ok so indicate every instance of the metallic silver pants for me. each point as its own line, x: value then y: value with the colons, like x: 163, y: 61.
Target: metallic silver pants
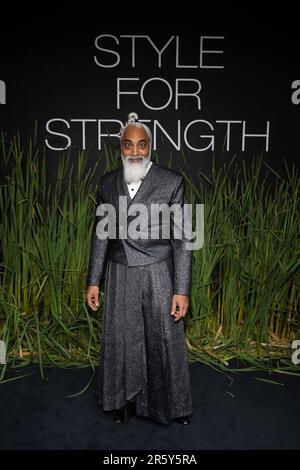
x: 143, y: 354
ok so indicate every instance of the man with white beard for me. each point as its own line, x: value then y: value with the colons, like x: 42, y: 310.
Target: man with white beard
x: 143, y: 368
x: 135, y: 166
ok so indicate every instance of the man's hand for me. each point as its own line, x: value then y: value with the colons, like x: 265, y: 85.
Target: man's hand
x: 180, y: 305
x: 92, y: 297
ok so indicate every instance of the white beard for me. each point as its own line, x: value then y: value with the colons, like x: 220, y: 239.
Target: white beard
x: 134, y: 171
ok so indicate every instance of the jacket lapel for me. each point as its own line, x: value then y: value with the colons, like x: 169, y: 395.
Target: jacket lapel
x: 122, y: 189
x: 145, y: 188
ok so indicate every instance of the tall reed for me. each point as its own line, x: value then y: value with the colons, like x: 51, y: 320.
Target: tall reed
x: 245, y: 292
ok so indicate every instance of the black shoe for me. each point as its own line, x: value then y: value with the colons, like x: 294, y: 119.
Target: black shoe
x: 125, y: 413
x: 118, y: 416
x: 183, y: 420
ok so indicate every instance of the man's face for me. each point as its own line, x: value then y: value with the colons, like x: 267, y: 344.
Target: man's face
x: 135, y: 144
x: 135, y: 153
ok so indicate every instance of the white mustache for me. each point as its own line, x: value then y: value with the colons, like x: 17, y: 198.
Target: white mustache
x: 134, y: 159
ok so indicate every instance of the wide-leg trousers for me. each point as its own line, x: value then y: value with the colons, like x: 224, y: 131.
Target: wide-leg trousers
x: 143, y: 354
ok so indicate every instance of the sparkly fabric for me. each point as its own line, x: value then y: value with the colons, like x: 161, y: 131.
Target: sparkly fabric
x: 160, y: 186
x: 143, y: 353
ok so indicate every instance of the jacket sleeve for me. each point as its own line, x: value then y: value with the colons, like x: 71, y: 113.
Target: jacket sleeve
x: 99, y: 250
x: 181, y: 256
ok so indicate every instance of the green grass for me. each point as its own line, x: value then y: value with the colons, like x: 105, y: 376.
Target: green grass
x: 245, y: 293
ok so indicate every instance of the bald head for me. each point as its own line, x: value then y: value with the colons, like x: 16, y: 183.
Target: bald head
x: 137, y: 125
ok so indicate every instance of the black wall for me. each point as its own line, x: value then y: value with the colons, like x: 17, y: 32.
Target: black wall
x: 48, y: 65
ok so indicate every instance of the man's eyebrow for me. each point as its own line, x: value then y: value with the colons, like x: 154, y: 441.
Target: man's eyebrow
x: 132, y: 141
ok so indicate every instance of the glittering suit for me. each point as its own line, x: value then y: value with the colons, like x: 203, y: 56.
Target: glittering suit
x: 143, y: 353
